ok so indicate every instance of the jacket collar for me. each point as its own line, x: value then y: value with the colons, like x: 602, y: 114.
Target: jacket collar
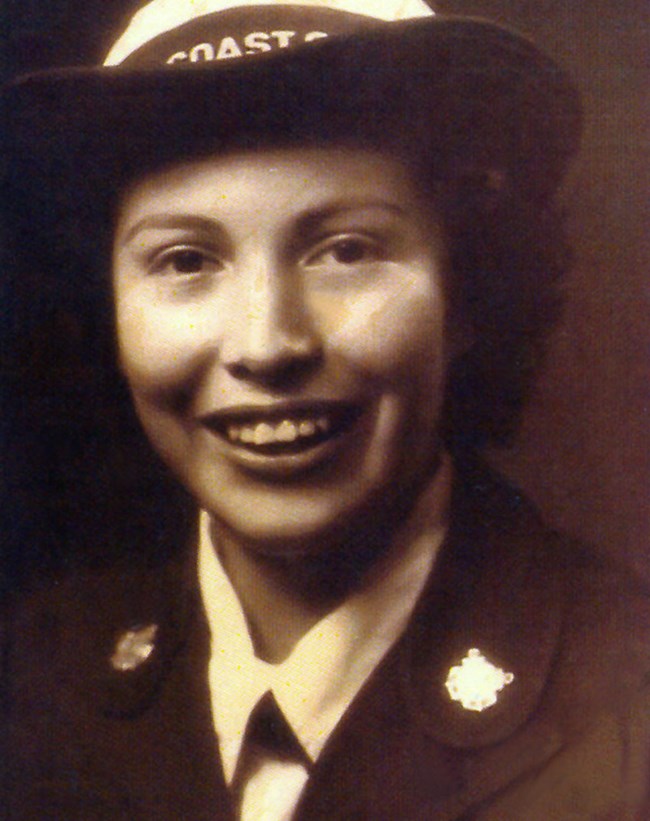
x: 155, y: 617
x: 497, y: 589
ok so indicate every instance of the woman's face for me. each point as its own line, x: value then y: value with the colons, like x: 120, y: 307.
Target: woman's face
x: 281, y: 324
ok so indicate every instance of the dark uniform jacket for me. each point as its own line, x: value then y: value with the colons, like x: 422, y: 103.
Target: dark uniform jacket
x: 567, y: 740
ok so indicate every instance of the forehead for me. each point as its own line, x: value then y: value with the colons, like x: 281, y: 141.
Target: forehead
x: 288, y: 179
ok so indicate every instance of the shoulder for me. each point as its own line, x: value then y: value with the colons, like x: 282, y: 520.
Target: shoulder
x: 553, y: 721
x: 74, y: 648
x: 602, y: 608
x: 569, y: 737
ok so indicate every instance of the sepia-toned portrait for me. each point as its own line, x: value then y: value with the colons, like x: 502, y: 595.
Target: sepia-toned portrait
x: 324, y: 380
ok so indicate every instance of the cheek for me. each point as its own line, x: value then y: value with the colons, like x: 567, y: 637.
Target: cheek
x: 157, y: 349
x: 391, y: 329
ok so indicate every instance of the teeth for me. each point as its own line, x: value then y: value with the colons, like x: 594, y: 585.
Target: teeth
x: 247, y: 435
x: 287, y: 430
x: 307, y: 428
x: 264, y: 434
x: 323, y: 424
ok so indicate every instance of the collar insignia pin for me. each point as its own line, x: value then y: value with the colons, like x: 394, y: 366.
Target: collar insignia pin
x: 476, y: 681
x: 134, y: 647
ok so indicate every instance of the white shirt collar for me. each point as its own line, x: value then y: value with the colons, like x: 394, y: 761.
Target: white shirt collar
x: 315, y: 685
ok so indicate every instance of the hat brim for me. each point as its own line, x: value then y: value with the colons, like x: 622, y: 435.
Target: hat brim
x: 462, y: 92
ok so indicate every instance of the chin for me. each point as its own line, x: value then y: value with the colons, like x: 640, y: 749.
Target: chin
x: 301, y: 523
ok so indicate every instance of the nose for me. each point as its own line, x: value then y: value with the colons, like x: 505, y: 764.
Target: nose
x: 273, y: 339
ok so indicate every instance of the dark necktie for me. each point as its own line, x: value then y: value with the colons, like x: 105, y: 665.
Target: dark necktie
x: 268, y: 735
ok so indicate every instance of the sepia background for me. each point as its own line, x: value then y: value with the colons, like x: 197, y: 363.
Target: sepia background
x: 583, y: 453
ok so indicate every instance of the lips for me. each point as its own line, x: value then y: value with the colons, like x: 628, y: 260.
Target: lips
x: 283, y: 429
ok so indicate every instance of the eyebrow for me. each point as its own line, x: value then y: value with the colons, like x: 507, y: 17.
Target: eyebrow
x: 186, y: 222
x: 305, y: 222
x: 312, y: 218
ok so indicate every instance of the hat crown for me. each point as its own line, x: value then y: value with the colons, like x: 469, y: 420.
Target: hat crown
x: 163, y: 16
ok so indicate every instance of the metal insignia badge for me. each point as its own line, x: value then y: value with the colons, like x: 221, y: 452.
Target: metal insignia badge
x: 134, y: 647
x: 476, y: 681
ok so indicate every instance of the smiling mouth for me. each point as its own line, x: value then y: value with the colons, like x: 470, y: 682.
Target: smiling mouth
x: 284, y: 430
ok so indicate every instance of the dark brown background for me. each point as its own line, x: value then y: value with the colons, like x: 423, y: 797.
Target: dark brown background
x: 584, y: 451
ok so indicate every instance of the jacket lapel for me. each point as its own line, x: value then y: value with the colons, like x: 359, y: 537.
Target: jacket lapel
x: 155, y: 701
x: 405, y: 749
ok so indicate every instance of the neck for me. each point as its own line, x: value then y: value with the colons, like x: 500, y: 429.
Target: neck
x: 283, y: 597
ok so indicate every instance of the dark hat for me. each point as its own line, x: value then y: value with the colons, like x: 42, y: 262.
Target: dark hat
x: 192, y: 76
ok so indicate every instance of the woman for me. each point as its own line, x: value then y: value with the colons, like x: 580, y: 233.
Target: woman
x: 333, y: 258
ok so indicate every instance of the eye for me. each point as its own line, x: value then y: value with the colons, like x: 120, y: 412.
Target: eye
x: 187, y: 261
x: 350, y: 250
x: 346, y: 250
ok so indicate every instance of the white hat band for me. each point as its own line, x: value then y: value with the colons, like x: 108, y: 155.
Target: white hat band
x: 161, y: 17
